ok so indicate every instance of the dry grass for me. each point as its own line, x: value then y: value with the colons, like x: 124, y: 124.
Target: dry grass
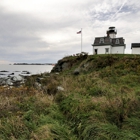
x: 103, y: 103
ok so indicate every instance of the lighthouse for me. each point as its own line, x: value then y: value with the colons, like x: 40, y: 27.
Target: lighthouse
x: 111, y: 32
x: 109, y: 44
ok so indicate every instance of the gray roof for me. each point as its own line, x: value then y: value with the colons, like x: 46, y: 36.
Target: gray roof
x: 135, y: 45
x: 108, y: 41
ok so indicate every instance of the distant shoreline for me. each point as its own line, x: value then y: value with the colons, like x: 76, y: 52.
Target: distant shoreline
x: 33, y: 64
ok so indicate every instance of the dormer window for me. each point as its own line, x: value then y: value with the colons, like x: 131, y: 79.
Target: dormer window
x: 101, y: 40
x: 117, y: 41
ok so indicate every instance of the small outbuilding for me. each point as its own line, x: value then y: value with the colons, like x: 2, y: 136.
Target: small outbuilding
x: 135, y: 48
x: 109, y: 44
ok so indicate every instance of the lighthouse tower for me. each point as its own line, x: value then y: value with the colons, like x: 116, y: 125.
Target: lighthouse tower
x: 111, y: 32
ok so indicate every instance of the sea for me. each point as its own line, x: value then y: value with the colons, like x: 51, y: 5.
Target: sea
x: 25, y: 70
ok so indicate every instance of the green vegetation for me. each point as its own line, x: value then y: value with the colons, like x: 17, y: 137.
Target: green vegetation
x: 100, y: 103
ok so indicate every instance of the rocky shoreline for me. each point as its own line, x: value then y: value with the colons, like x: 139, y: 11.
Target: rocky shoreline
x: 25, y: 77
x: 15, y: 78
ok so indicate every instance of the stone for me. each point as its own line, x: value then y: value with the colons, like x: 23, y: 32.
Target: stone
x: 4, y: 71
x: 3, y: 81
x: 59, y: 88
x: 2, y: 74
x: 38, y: 79
x: 57, y: 73
x: 65, y: 65
x: 17, y: 78
x: 76, y: 71
x: 25, y: 72
x: 37, y: 85
x: 9, y: 82
x: 11, y: 74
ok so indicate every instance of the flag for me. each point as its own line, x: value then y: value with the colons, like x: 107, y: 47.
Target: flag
x: 79, y: 32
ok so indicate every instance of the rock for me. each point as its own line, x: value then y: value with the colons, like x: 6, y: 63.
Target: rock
x: 3, y: 81
x: 11, y: 74
x: 65, y: 65
x: 59, y: 88
x: 2, y: 74
x: 76, y: 71
x: 9, y: 82
x: 61, y: 66
x: 37, y: 85
x: 57, y: 73
x: 4, y: 71
x: 24, y: 75
x: 25, y: 72
x: 17, y: 78
x: 38, y: 79
x: 68, y: 62
x: 12, y: 81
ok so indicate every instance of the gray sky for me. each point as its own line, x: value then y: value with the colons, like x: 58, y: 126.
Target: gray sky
x: 45, y: 30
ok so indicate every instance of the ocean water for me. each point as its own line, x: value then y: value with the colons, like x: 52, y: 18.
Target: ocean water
x: 15, y: 70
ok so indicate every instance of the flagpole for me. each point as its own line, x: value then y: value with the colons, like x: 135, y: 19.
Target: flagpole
x: 81, y: 40
x: 80, y: 32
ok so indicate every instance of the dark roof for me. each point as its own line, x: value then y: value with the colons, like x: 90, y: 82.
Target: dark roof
x: 135, y: 45
x: 111, y: 27
x: 108, y: 41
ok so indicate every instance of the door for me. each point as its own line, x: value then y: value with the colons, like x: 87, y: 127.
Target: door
x: 95, y: 51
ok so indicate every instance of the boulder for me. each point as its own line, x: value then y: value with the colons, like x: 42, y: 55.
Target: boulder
x: 37, y: 85
x: 2, y: 74
x: 39, y: 79
x: 4, y: 71
x: 11, y: 74
x: 65, y: 65
x: 76, y: 71
x: 11, y: 81
x: 25, y: 72
x: 61, y: 65
x: 3, y: 81
x: 17, y: 78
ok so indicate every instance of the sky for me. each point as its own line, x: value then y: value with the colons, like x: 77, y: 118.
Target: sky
x: 45, y: 31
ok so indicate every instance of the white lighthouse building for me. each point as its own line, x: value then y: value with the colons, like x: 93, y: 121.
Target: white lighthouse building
x: 109, y: 44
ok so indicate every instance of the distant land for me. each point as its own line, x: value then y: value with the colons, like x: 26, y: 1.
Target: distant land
x: 34, y: 64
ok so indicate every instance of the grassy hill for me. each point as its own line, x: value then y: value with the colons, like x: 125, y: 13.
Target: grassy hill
x: 99, y: 102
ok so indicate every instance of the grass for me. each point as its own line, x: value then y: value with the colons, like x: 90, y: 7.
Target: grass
x: 101, y: 103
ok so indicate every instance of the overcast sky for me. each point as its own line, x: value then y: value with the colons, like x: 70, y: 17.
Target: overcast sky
x: 46, y: 30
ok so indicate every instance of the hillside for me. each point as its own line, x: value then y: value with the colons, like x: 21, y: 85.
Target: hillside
x: 83, y: 98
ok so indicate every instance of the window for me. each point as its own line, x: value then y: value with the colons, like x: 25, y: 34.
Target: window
x: 117, y: 41
x: 106, y: 50
x: 101, y: 40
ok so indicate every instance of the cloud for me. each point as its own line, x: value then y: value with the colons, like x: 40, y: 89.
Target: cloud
x: 25, y: 35
x: 19, y: 35
x: 45, y: 31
